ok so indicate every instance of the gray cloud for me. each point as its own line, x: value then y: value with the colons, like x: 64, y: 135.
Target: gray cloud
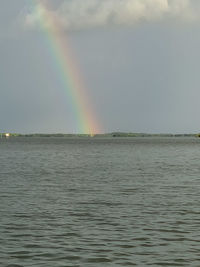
x: 140, y: 79
x: 79, y: 14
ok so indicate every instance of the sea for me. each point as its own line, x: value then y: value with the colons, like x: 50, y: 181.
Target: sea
x: 94, y: 202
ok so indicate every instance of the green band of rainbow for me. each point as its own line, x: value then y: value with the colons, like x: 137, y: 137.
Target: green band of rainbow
x: 67, y: 67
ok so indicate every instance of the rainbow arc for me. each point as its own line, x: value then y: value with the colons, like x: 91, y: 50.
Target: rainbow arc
x: 68, y: 69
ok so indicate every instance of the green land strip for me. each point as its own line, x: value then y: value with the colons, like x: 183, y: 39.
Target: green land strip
x: 113, y: 134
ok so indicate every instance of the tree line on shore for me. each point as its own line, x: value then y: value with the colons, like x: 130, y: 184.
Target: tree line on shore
x: 113, y: 134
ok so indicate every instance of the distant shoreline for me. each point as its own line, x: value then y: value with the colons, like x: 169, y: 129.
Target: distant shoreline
x: 113, y: 134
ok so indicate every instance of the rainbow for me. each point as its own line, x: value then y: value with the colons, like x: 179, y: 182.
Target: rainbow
x: 68, y: 69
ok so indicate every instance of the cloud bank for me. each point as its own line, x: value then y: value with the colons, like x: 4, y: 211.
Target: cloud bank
x: 84, y: 14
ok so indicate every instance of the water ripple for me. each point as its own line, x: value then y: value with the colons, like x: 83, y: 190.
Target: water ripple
x: 99, y: 202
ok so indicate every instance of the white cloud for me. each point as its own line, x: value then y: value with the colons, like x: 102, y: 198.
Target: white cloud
x: 80, y: 14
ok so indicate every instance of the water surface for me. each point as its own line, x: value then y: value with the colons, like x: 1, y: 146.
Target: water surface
x: 99, y: 202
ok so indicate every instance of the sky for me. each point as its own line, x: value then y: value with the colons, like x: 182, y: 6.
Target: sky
x: 140, y: 62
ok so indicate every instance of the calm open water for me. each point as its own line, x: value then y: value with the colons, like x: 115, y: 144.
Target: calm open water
x: 99, y: 202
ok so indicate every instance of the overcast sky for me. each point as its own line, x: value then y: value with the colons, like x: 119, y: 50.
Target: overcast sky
x: 140, y: 60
